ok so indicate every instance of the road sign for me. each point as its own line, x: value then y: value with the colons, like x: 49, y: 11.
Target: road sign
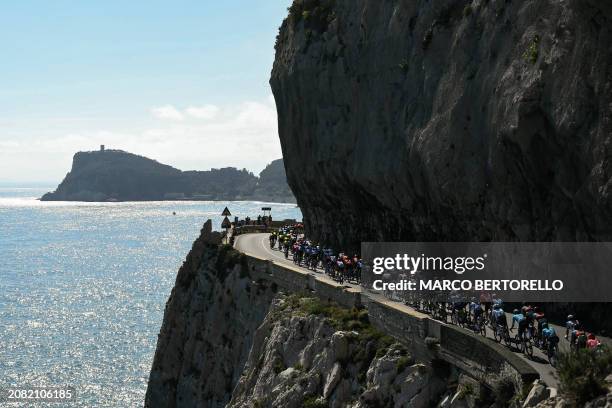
x: 226, y: 223
x: 226, y: 212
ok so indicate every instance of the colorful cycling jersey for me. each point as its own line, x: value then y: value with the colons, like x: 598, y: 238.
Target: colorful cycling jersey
x: 592, y: 343
x: 497, y: 313
x: 475, y: 307
x: 549, y: 333
x: 517, y: 318
x: 571, y: 324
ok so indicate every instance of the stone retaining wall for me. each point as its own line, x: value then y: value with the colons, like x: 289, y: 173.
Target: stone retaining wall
x: 473, y: 354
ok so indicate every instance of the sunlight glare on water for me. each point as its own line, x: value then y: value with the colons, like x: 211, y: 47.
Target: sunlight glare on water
x: 83, y: 288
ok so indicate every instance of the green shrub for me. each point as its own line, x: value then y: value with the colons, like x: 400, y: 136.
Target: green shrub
x: 316, y: 14
x: 279, y: 366
x: 582, y: 375
x: 402, y: 363
x: 465, y: 390
x: 533, y: 50
x: 315, y: 401
x: 467, y: 11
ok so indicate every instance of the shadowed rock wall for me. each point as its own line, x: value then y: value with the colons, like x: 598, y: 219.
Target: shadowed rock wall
x: 447, y: 120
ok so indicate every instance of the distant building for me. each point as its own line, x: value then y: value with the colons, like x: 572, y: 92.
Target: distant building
x: 101, y: 148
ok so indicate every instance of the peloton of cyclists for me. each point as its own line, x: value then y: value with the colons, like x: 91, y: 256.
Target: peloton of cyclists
x: 530, y: 321
x: 341, y: 267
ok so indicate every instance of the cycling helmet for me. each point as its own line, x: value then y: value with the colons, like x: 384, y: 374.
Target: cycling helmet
x: 515, y: 311
x: 537, y: 309
x: 545, y: 325
x: 570, y: 317
x: 496, y: 306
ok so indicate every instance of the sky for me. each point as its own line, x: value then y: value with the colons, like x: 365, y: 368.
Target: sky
x: 184, y: 82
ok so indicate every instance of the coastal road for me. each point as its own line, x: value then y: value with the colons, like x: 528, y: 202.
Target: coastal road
x: 259, y: 245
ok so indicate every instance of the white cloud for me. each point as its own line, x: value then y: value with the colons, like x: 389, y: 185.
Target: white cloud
x: 242, y: 134
x: 203, y: 112
x: 167, y: 112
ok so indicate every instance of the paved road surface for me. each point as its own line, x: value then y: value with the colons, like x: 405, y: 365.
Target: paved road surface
x: 258, y: 244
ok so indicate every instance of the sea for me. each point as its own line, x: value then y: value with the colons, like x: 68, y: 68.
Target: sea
x: 83, y: 288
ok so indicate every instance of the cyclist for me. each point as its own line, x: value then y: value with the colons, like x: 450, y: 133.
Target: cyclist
x: 570, y: 327
x: 339, y: 270
x: 458, y: 309
x: 550, y: 337
x: 272, y: 239
x: 592, y: 342
x: 476, y: 310
x: 328, y: 260
x: 548, y: 333
x: 496, y: 302
x: 499, y: 323
x: 521, y: 320
x: 358, y: 265
x: 499, y: 316
x: 580, y: 338
x: 286, y: 246
x: 529, y: 313
x: 540, y: 318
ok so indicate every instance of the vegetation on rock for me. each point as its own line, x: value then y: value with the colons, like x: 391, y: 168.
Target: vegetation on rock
x: 582, y: 375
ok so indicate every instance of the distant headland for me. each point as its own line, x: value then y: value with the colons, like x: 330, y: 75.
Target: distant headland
x: 116, y: 175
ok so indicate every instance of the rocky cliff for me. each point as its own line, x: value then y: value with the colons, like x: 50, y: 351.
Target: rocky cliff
x: 229, y: 339
x: 310, y: 354
x: 209, y: 322
x: 448, y: 120
x: 115, y: 175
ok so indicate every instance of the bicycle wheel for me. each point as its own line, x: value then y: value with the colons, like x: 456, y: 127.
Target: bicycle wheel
x: 520, y: 345
x: 497, y: 335
x: 528, y: 348
x: 507, y: 340
x: 553, y: 357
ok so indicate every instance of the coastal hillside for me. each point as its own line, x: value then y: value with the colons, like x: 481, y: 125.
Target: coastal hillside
x: 448, y: 120
x: 115, y: 175
x: 232, y: 339
x: 433, y: 120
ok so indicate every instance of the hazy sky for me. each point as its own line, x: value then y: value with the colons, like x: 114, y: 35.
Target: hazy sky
x: 184, y: 82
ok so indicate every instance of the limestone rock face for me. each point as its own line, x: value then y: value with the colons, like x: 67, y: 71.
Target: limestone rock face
x: 208, y: 328
x: 302, y: 360
x: 448, y: 120
x: 537, y: 394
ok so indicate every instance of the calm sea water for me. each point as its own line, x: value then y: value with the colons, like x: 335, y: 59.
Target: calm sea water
x: 83, y: 288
